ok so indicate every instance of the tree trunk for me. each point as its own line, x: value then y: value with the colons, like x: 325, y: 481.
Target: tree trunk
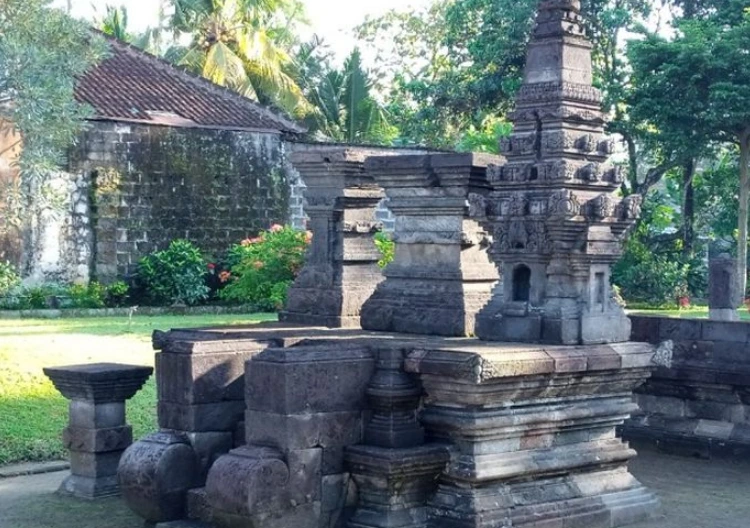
x: 688, y: 208
x: 742, y: 216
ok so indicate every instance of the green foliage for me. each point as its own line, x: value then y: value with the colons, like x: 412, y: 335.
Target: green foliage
x: 117, y: 294
x: 458, y: 63
x: 344, y: 107
x: 242, y: 44
x: 387, y: 248
x: 9, y: 277
x: 92, y: 295
x: 263, y: 268
x: 174, y: 275
x: 42, y: 54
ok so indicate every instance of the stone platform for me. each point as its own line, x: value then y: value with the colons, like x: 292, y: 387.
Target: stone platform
x: 518, y: 435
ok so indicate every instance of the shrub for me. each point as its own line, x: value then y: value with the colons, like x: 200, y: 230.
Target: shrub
x: 261, y: 269
x: 117, y: 294
x: 175, y: 275
x: 387, y: 247
x: 86, y: 296
x: 655, y: 280
x: 9, y: 277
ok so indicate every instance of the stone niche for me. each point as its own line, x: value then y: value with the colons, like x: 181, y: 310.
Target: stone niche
x: 441, y: 275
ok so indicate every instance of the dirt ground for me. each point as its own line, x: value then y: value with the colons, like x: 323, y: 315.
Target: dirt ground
x: 694, y: 494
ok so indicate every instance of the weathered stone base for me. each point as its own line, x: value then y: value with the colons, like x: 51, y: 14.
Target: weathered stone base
x: 690, y: 436
x: 329, y: 321
x: 572, y: 501
x: 90, y: 488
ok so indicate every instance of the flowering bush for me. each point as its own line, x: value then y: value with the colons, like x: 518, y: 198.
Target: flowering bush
x: 175, y: 275
x: 261, y: 269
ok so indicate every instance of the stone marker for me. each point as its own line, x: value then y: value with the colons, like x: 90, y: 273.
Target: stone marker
x: 97, y: 433
x: 341, y: 269
x: 723, y: 289
x: 441, y: 275
x: 556, y: 222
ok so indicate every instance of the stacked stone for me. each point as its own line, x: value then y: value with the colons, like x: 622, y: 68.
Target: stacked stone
x: 305, y: 405
x: 556, y: 223
x: 341, y: 269
x: 532, y: 434
x: 395, y: 472
x: 200, y: 386
x: 723, y: 289
x: 440, y: 276
x: 97, y: 433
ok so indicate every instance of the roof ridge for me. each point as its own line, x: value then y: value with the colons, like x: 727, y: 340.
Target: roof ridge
x: 202, y: 83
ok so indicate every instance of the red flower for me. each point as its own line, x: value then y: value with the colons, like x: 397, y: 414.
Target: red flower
x: 275, y: 228
x: 211, y: 266
x: 224, y: 276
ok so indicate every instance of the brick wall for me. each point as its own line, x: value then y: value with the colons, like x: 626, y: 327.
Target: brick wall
x: 151, y: 185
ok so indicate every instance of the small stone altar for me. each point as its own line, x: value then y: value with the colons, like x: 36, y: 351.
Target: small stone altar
x: 97, y: 433
x: 409, y: 422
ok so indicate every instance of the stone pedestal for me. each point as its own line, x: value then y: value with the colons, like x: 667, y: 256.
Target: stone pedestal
x: 441, y: 275
x: 341, y: 269
x: 532, y: 432
x: 97, y: 433
x: 395, y: 473
x: 305, y: 405
x: 723, y: 289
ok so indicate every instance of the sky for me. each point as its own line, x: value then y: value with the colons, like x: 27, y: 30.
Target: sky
x: 331, y: 19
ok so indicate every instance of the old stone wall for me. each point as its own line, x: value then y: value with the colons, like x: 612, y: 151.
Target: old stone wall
x: 701, y: 403
x: 149, y: 185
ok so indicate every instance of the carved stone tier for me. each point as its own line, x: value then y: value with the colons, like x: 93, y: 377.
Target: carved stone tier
x: 340, y: 270
x: 532, y: 432
x: 556, y: 223
x: 441, y: 275
x: 97, y: 433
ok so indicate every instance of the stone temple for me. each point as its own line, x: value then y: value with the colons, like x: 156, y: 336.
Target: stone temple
x: 410, y: 421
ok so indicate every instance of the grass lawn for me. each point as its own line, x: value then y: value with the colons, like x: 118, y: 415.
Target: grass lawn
x: 699, y: 312
x: 33, y: 413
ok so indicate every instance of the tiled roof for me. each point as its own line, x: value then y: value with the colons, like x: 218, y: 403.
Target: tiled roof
x: 134, y: 86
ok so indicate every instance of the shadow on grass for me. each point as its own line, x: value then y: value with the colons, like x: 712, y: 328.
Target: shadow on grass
x: 33, y: 417
x: 42, y: 508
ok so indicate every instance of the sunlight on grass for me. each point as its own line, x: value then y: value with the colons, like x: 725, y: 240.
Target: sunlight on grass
x: 33, y: 413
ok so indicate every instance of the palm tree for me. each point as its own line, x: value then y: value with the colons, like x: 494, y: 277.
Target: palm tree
x: 235, y: 44
x: 344, y: 106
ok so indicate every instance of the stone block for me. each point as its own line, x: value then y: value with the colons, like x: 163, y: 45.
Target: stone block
x: 202, y: 378
x: 303, y: 431
x: 90, y: 415
x: 208, y: 446
x: 737, y: 332
x: 155, y: 475
x: 645, y: 329
x: 680, y: 329
x: 97, y: 440
x: 205, y: 417
x: 99, y: 382
x: 309, y: 379
x: 90, y: 488
x: 94, y: 465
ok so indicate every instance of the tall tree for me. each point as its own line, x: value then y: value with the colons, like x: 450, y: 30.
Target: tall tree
x: 693, y: 90
x: 242, y: 44
x: 460, y: 62
x: 344, y: 106
x: 42, y: 53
